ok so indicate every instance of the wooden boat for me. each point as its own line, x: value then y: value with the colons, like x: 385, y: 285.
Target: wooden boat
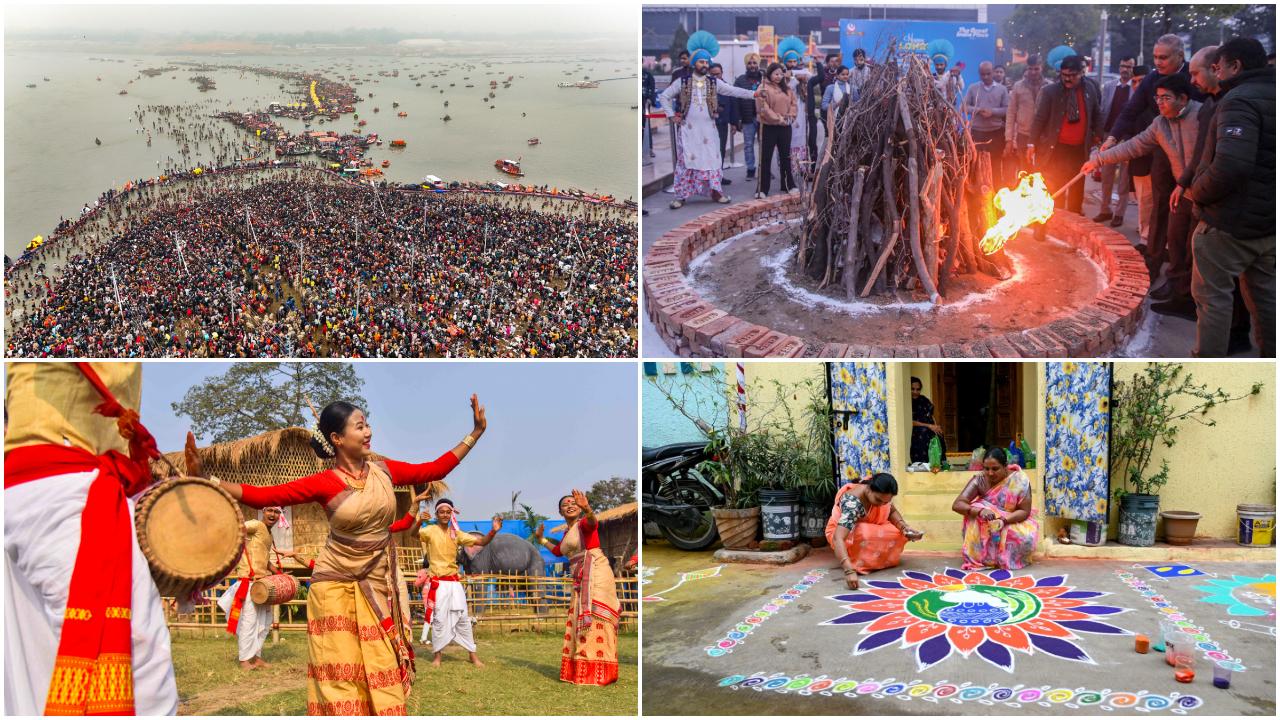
x: 402, y: 114
x: 397, y: 143
x: 386, y: 163
x: 534, y: 141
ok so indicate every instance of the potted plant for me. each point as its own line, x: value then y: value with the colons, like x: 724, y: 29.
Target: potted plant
x: 818, y: 481
x: 1146, y: 411
x: 738, y: 520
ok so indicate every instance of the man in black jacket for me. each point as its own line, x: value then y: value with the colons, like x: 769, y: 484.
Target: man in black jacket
x: 1170, y: 59
x: 749, y: 80
x: 1205, y: 78
x: 1234, y: 192
x: 1068, y: 120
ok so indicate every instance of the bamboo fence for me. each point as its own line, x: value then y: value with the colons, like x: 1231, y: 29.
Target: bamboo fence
x: 495, y: 602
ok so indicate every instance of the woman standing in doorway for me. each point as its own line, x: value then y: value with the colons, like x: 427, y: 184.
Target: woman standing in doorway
x: 923, y: 428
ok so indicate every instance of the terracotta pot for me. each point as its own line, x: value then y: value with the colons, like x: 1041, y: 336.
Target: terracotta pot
x: 738, y: 528
x: 1180, y: 526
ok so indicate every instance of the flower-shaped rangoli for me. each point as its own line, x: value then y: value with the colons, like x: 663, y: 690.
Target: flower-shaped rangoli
x: 989, y: 613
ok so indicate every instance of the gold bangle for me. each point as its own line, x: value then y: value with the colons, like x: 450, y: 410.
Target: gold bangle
x: 469, y: 441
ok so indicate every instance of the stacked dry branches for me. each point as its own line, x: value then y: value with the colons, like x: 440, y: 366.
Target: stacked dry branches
x: 899, y: 196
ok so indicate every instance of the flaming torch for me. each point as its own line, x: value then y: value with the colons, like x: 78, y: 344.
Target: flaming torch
x: 1027, y: 202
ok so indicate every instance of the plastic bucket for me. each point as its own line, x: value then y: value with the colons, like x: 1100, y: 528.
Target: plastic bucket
x: 1088, y: 532
x: 1138, y: 519
x: 780, y: 514
x: 813, y: 520
x: 1255, y: 525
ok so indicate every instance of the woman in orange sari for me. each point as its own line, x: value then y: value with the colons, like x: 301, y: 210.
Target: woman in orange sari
x: 359, y: 652
x: 590, y: 654
x: 865, y: 530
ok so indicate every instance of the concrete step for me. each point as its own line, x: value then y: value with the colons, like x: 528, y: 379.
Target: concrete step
x: 937, y: 528
x: 926, y: 503
x: 925, y: 482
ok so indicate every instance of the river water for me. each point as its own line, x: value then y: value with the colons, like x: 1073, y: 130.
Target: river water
x: 53, y: 167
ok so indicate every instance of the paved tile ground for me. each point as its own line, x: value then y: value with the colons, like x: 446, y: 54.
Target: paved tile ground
x: 789, y: 640
x: 1160, y: 336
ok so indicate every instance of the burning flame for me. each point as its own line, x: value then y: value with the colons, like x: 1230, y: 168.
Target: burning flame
x: 1028, y: 202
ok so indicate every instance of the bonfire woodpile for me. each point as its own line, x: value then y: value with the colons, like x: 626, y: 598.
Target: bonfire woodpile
x: 901, y: 196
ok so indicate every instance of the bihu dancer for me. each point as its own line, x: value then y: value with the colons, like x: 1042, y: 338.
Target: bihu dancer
x: 445, y: 602
x: 84, y: 627
x: 360, y: 657
x: 590, y: 652
x: 246, y: 619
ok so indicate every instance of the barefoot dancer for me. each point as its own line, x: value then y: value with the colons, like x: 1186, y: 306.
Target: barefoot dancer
x: 360, y: 661
x: 590, y: 654
x: 246, y: 619
x: 446, y: 601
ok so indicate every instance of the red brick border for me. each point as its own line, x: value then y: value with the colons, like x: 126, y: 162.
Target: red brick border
x: 693, y: 327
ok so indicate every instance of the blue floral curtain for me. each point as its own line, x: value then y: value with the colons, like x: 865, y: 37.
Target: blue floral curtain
x: 861, y: 418
x: 1077, y: 448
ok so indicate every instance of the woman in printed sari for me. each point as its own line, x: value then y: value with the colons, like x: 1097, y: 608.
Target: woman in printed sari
x: 865, y: 530
x: 359, y: 656
x: 590, y: 654
x: 1000, y: 526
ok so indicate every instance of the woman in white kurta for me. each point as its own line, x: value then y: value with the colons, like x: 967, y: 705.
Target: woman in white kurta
x: 698, y: 144
x: 800, y: 125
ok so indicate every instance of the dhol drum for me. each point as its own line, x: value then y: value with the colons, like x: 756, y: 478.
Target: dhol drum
x: 273, y: 589
x: 191, y: 532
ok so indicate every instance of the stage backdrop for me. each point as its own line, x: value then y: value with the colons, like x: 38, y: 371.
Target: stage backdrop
x: 973, y: 42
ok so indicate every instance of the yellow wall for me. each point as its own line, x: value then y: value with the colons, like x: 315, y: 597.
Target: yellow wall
x: 760, y: 378
x: 1213, y: 469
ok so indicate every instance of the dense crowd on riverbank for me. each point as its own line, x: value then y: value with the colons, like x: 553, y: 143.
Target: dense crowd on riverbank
x: 384, y: 273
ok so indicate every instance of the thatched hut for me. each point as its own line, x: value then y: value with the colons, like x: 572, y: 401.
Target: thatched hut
x: 618, y: 536
x: 274, y: 458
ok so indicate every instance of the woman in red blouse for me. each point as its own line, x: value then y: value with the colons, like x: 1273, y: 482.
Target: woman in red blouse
x: 590, y: 654
x: 360, y: 661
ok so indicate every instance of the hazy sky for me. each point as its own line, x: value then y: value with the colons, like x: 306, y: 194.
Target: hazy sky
x: 553, y: 426
x: 585, y: 21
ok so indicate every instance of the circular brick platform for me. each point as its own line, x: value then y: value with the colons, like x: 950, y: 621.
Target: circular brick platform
x: 693, y: 327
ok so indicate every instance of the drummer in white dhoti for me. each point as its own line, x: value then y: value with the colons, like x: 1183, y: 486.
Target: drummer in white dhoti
x: 249, y: 621
x: 445, y: 600
x: 692, y: 103
x: 84, y: 627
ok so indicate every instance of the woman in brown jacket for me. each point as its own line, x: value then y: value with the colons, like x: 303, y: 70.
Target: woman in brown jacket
x: 776, y: 107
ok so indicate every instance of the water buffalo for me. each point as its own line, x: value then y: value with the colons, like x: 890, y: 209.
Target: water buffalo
x: 505, y: 554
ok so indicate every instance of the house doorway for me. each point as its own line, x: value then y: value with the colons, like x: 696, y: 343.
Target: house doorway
x: 977, y: 404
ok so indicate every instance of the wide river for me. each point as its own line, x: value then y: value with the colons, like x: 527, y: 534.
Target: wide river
x: 52, y: 166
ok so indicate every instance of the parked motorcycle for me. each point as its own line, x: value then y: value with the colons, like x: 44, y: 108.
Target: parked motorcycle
x: 677, y: 498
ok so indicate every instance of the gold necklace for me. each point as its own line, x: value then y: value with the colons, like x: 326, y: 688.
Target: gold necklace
x: 362, y: 477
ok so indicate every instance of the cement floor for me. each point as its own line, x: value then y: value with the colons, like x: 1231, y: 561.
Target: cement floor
x: 680, y: 677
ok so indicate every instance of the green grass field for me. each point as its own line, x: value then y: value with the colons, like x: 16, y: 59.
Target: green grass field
x: 521, y: 677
